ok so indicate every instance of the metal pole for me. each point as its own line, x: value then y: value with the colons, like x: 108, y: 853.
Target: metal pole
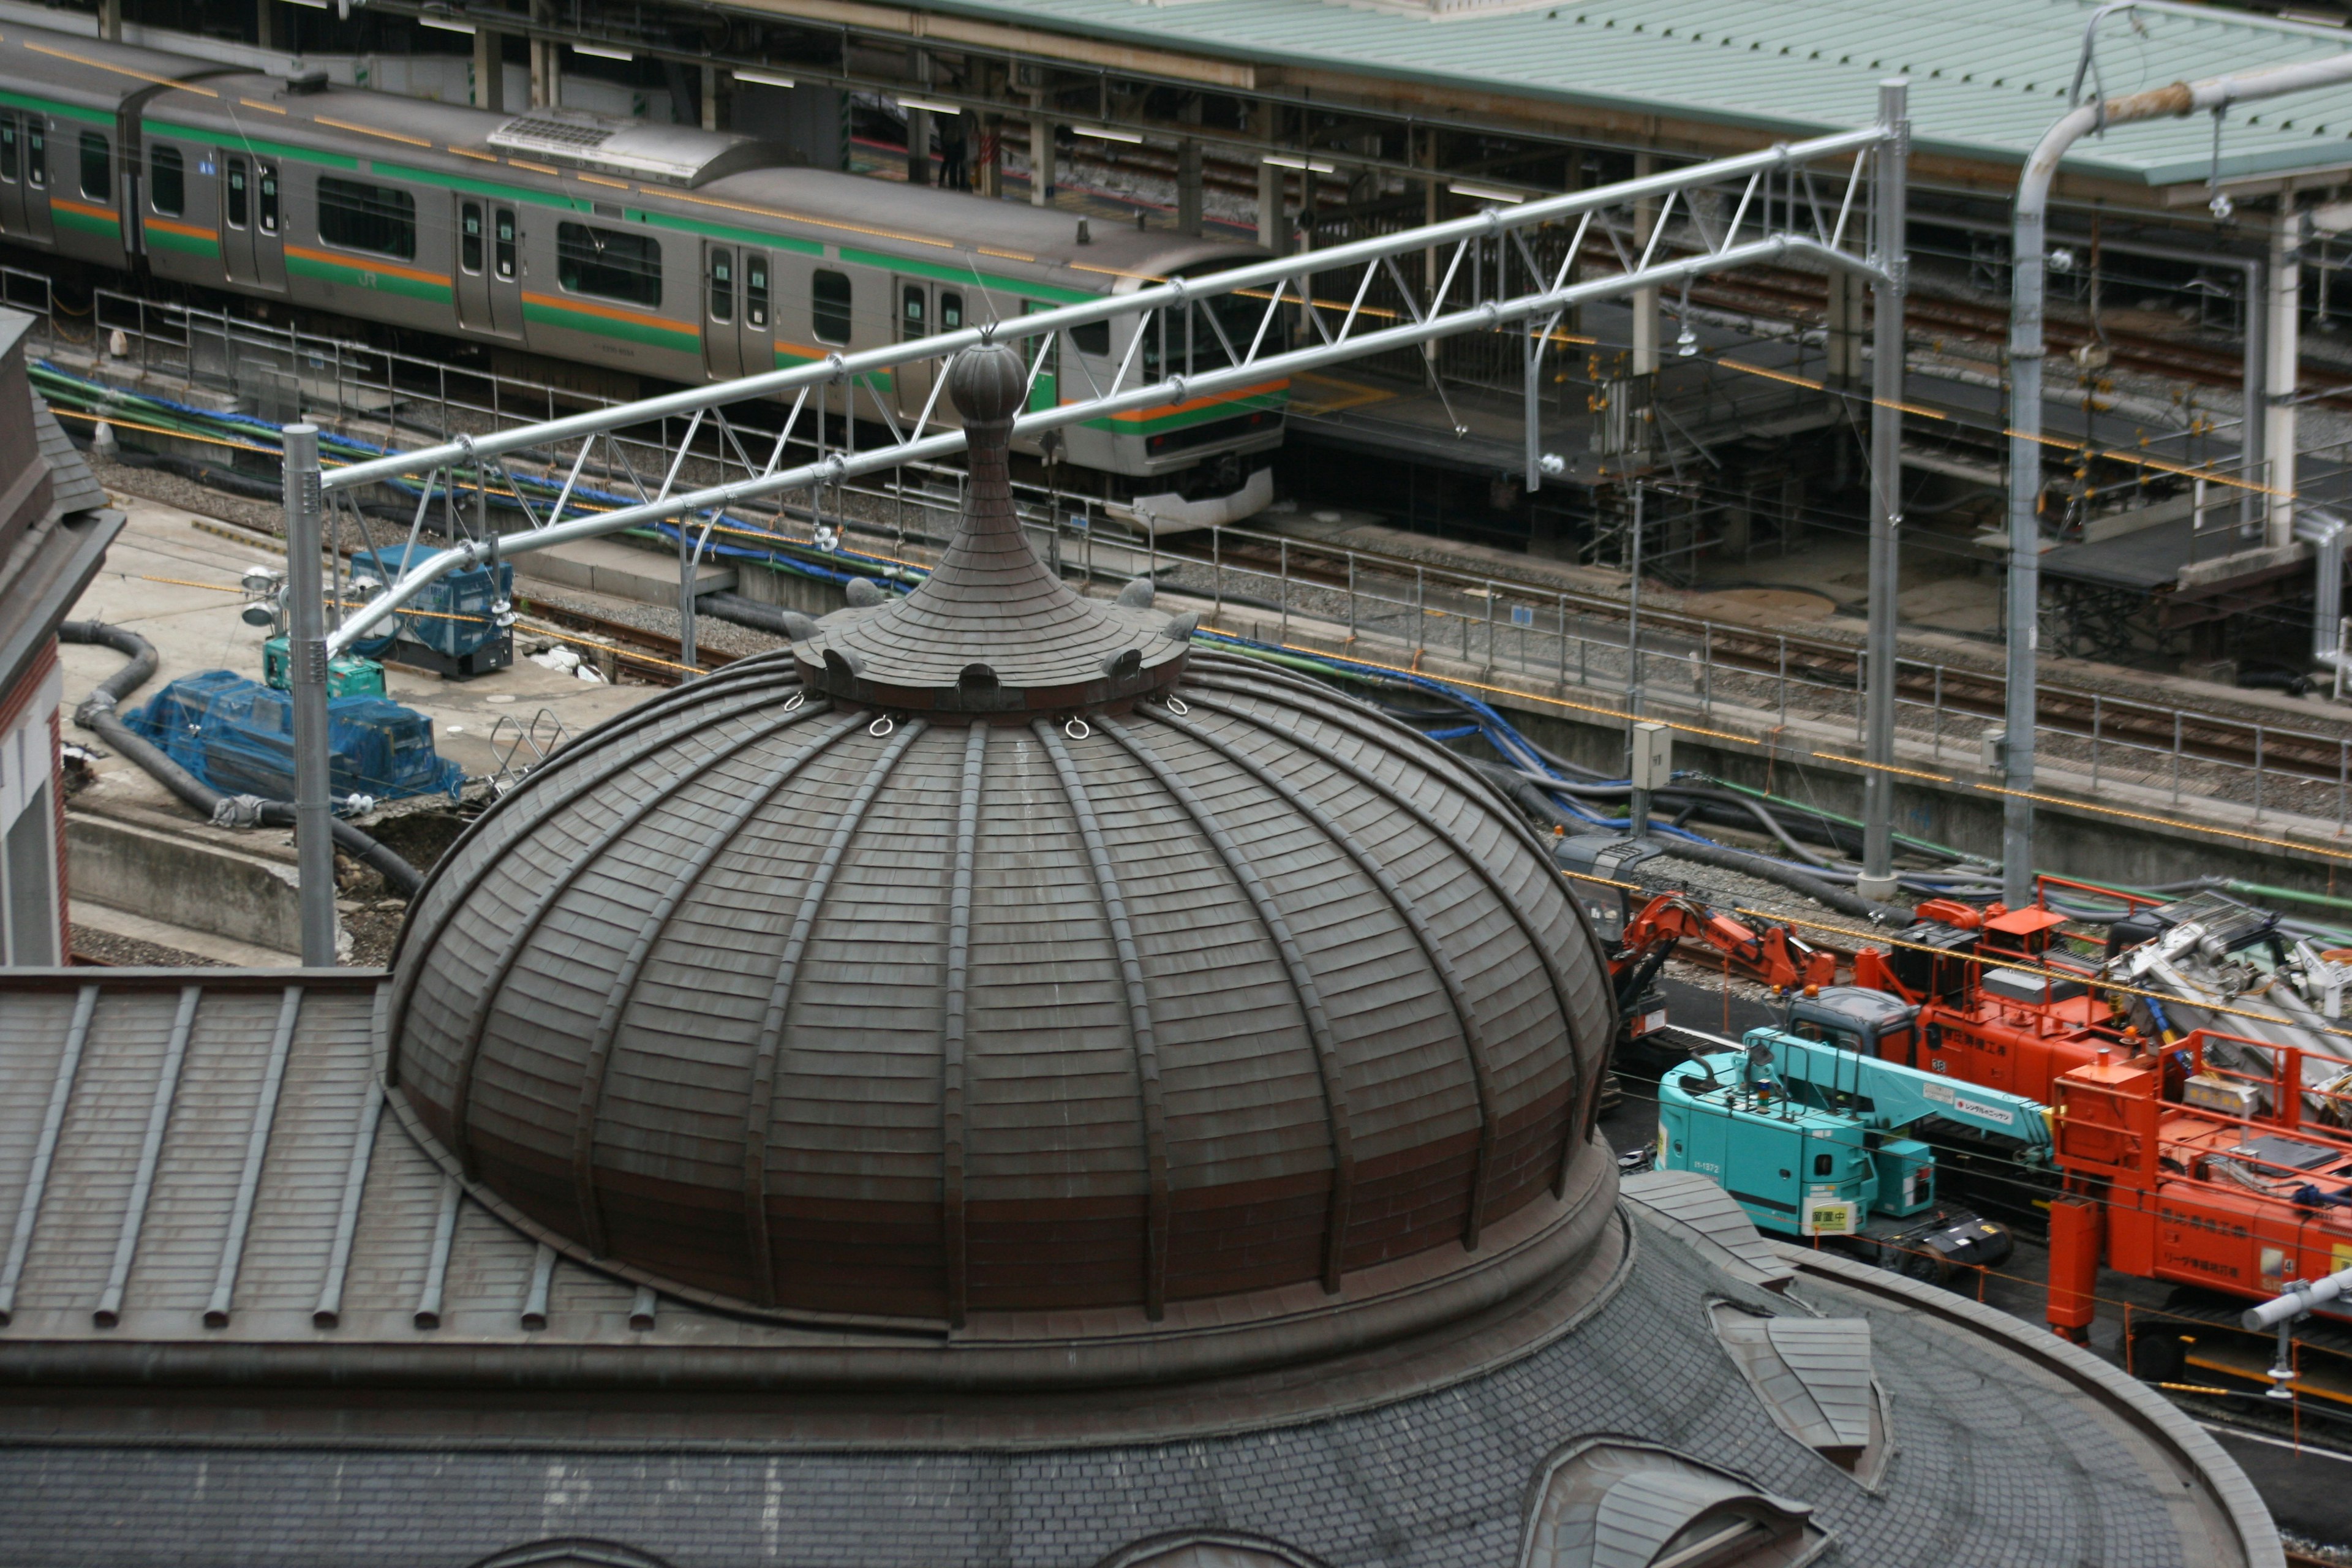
x: 1637, y: 803
x: 306, y: 648
x: 686, y: 575
x: 1877, y: 879
x: 2025, y: 349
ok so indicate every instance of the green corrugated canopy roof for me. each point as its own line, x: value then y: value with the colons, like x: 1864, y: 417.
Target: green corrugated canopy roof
x: 1987, y: 76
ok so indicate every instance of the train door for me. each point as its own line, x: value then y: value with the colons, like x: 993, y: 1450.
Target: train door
x: 12, y: 173
x: 924, y: 309
x: 758, y: 315
x: 506, y: 273
x: 36, y: 178
x: 722, y: 341
x: 482, y: 283
x: 253, y: 246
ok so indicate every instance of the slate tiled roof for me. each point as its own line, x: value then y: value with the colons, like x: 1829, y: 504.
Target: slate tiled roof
x: 72, y: 486
x: 323, y: 1448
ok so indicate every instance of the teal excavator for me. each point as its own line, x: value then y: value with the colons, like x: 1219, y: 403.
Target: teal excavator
x: 1819, y: 1142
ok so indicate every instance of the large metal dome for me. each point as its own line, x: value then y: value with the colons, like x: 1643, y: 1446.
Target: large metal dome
x: 835, y: 986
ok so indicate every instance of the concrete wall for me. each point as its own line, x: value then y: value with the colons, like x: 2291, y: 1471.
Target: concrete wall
x: 183, y: 881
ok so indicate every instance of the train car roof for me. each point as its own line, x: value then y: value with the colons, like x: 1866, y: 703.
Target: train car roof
x: 384, y: 125
x: 91, y: 74
x: 957, y: 229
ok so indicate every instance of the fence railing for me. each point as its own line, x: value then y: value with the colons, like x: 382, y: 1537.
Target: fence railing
x: 1685, y: 667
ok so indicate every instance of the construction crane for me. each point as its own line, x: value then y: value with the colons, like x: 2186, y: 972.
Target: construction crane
x: 1816, y: 1142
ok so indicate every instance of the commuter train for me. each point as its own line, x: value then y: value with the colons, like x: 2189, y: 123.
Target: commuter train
x: 670, y: 252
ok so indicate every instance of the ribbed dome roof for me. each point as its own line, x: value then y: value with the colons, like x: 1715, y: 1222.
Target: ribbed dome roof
x: 781, y: 997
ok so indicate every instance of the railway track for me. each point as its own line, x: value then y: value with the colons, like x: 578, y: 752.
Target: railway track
x: 1794, y: 297
x: 1820, y: 662
x: 651, y: 656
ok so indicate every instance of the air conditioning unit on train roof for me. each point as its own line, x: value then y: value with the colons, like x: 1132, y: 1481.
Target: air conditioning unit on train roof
x: 672, y: 154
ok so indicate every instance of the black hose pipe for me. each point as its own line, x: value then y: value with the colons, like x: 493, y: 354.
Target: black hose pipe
x: 790, y: 624
x: 1531, y: 799
x: 97, y: 715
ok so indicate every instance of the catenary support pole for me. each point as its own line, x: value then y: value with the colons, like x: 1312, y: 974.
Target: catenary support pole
x: 2026, y: 258
x: 2281, y: 366
x: 314, y: 844
x: 1877, y: 880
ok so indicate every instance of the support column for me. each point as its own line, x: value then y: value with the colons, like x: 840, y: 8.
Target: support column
x: 919, y: 146
x: 1270, y: 229
x: 1188, y: 187
x: 314, y: 844
x: 1042, y: 159
x: 1843, y: 340
x: 717, y: 98
x: 1644, y: 301
x: 109, y: 20
x: 264, y: 27
x: 988, y: 176
x: 2282, y: 363
x: 490, y: 69
x: 1888, y: 202
x: 546, y: 60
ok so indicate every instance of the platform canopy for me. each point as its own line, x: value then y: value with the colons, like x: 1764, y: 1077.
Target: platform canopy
x: 1986, y: 79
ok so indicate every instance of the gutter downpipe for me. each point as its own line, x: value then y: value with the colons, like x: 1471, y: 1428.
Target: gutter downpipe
x: 2025, y: 352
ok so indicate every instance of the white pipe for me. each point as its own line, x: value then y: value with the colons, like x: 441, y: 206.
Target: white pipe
x: 2025, y: 353
x: 2295, y: 1302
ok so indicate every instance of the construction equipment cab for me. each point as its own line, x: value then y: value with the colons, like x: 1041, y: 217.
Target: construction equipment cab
x: 1851, y: 1018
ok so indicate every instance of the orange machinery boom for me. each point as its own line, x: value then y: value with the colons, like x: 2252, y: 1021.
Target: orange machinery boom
x: 1774, y: 953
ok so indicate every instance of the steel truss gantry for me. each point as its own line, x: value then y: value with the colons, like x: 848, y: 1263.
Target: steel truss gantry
x: 1833, y: 202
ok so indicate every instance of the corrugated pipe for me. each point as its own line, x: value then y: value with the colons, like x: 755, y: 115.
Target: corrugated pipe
x: 1532, y: 800
x: 97, y: 715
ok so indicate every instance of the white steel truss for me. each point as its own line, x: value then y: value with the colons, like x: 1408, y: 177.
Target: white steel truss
x: 1803, y: 201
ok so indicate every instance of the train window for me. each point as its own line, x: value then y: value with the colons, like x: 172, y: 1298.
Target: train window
x: 507, y: 243
x: 911, y: 311
x: 829, y: 306
x: 7, y: 148
x: 609, y: 262
x: 951, y: 311
x: 755, y: 289
x: 266, y: 186
x: 1094, y: 338
x: 167, y: 181
x: 36, y: 153
x: 379, y: 218
x: 96, y: 167
x: 238, y: 197
x: 469, y: 237
x: 723, y: 284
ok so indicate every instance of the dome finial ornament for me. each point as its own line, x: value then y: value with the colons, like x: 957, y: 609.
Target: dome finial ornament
x: 990, y: 602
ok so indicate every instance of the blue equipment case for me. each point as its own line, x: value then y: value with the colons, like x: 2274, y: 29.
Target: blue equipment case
x: 452, y: 627
x: 237, y: 736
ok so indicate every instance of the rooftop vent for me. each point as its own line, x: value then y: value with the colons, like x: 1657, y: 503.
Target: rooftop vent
x: 1814, y: 1377
x: 538, y: 134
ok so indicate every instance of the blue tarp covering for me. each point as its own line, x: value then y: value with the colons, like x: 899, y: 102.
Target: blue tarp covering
x: 237, y: 736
